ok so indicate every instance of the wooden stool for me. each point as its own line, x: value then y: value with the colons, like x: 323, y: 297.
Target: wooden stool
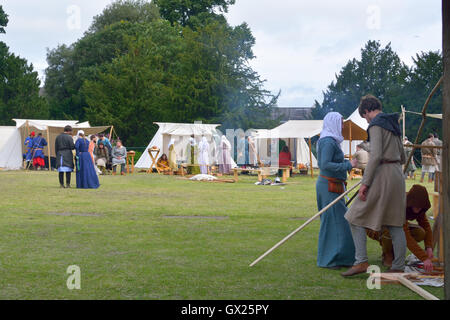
x: 154, y: 158
x: 130, y: 158
x: 236, y: 170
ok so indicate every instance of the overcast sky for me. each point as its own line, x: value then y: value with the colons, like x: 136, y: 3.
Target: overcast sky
x: 300, y: 45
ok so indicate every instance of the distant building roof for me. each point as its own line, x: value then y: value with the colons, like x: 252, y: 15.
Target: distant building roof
x: 286, y: 113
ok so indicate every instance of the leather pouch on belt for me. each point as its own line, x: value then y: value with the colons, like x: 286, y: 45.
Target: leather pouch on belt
x: 335, y: 187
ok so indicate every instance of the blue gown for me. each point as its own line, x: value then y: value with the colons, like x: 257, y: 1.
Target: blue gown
x: 336, y: 247
x: 29, y: 142
x: 86, y: 176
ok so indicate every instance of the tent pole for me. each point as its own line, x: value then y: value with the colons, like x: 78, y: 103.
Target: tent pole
x: 49, y: 150
x: 404, y: 126
x: 446, y: 140
x: 310, y: 159
x: 110, y: 132
x: 350, y: 144
x: 28, y: 134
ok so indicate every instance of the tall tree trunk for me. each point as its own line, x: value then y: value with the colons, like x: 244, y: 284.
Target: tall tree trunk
x: 446, y: 140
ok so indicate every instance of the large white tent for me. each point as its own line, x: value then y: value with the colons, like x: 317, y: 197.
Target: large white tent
x: 12, y: 138
x: 294, y: 133
x: 10, y: 148
x: 180, y: 132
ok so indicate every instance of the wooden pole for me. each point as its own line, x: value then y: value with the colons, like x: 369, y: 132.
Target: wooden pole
x: 28, y: 134
x: 49, y: 151
x: 305, y: 224
x: 310, y: 159
x: 419, y: 146
x: 403, y: 279
x: 404, y: 120
x: 414, y: 287
x: 110, y: 133
x: 350, y: 144
x: 446, y: 141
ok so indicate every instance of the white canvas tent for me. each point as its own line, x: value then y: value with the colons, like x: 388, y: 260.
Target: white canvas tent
x: 294, y: 133
x: 355, y: 132
x: 10, y: 148
x: 180, y: 132
x: 12, y: 138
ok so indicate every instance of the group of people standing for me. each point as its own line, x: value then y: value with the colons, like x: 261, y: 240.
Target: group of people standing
x: 381, y: 209
x: 89, y: 155
x: 431, y: 157
x: 86, y: 176
x: 34, y: 156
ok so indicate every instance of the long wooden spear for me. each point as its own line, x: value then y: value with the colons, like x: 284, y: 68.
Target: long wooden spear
x: 305, y: 224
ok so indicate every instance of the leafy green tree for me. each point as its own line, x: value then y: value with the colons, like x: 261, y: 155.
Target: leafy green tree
x: 379, y: 72
x: 70, y: 66
x: 134, y: 11
x: 425, y: 73
x: 19, y: 85
x: 233, y: 92
x: 183, y: 11
x: 3, y: 20
x: 139, y: 87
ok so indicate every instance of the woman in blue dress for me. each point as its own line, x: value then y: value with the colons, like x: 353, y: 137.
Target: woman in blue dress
x: 336, y: 247
x: 86, y: 176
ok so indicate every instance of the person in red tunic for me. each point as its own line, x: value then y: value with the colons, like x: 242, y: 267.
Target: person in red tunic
x: 284, y: 159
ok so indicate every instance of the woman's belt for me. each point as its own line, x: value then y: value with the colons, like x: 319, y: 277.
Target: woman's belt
x: 336, y: 180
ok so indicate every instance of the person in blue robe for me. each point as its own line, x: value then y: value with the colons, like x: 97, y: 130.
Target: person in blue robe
x: 29, y: 142
x: 336, y: 247
x: 86, y: 176
x: 38, y: 151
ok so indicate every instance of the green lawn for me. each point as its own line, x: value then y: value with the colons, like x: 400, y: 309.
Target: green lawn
x: 127, y: 248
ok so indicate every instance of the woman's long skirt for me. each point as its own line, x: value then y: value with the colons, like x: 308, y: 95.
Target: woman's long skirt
x: 86, y: 176
x: 336, y: 247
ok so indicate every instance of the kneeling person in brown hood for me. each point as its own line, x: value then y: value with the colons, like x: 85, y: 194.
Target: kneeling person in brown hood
x: 417, y: 204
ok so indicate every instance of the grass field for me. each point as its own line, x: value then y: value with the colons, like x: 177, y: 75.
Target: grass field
x: 129, y: 245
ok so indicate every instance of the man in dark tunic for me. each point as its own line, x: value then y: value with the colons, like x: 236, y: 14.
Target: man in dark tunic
x: 64, y: 155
